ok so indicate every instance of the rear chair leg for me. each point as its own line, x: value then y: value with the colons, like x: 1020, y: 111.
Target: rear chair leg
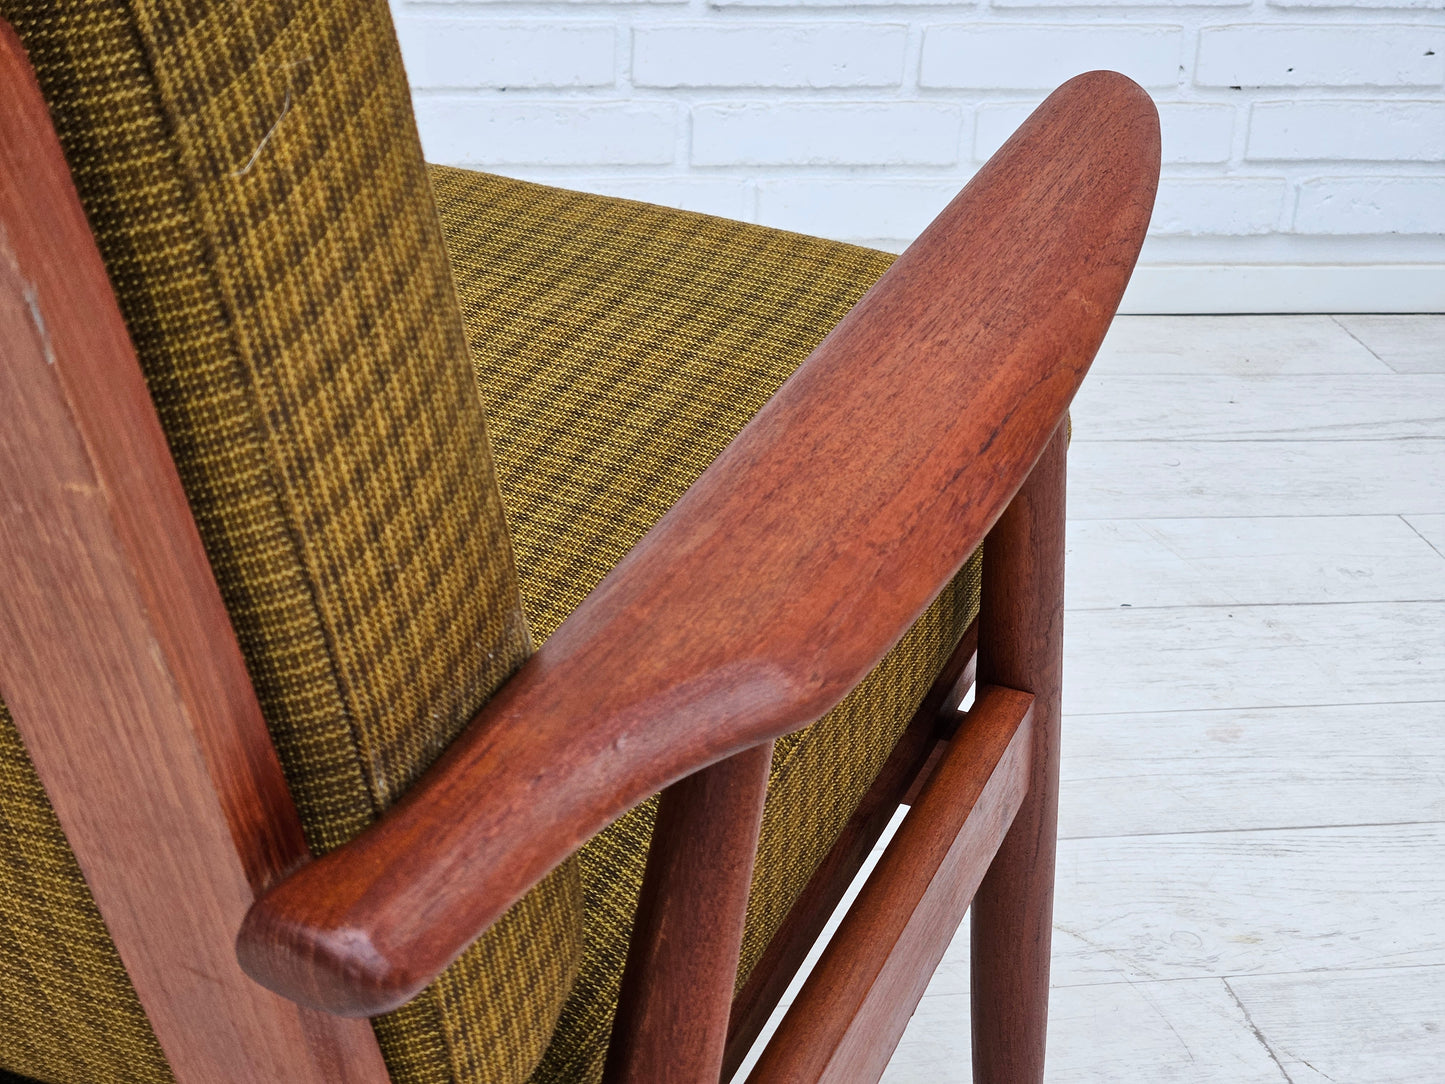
x: 1021, y: 647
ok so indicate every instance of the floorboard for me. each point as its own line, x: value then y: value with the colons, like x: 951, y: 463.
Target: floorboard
x: 1265, y: 345
x: 1431, y: 529
x: 1230, y: 408
x: 1198, y: 657
x: 1414, y: 344
x: 1169, y: 479
x: 1252, y: 875
x: 1235, y: 770
x: 1186, y: 1032
x: 1380, y: 1027
x: 1137, y: 563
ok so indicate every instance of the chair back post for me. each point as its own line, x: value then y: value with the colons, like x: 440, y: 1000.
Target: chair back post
x: 117, y: 659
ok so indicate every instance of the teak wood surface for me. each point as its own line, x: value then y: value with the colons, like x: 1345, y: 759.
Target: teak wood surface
x: 778, y: 580
x: 117, y: 659
x: 852, y: 1009
x: 1021, y: 643
x: 906, y: 769
x: 677, y: 988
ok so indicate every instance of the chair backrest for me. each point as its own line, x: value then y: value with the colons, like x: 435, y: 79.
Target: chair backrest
x: 253, y: 180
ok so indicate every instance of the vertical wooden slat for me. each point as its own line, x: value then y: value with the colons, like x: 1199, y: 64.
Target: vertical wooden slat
x: 117, y: 659
x: 677, y: 988
x: 902, y: 776
x: 1021, y: 644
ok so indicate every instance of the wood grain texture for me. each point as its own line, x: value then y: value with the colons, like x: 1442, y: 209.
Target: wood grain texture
x: 904, y: 772
x: 1021, y: 643
x: 1244, y: 769
x: 855, y: 1004
x: 1430, y: 527
x: 1254, y: 656
x: 1267, y: 901
x: 682, y: 964
x: 117, y: 659
x: 778, y: 580
x: 1228, y: 408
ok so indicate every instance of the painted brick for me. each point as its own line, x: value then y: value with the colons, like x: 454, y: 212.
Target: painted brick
x: 1323, y: 56
x: 854, y: 209
x: 1045, y: 4
x: 952, y: 5
x: 1383, y: 130
x: 444, y: 52
x: 1190, y: 131
x: 861, y: 133
x: 469, y: 131
x: 1403, y: 5
x: 1024, y: 57
x: 773, y: 55
x: 722, y: 196
x: 824, y: 115
x: 1345, y: 205
x: 399, y: 5
x: 1227, y: 206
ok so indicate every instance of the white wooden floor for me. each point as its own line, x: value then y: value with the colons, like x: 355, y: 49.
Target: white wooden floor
x: 1252, y: 870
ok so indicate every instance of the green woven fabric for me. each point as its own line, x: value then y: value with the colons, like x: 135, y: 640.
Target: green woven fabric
x: 619, y: 347
x: 253, y: 178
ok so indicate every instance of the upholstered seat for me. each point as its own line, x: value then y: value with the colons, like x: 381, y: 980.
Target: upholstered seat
x: 288, y: 295
x: 619, y: 346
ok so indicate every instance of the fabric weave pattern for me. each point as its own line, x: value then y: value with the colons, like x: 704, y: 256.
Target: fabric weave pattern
x: 619, y: 347
x: 253, y: 178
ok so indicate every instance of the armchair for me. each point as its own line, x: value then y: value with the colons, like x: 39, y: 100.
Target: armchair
x: 173, y: 699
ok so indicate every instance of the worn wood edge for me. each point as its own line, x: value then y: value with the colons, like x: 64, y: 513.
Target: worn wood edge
x: 677, y: 986
x: 117, y: 660
x: 853, y: 1008
x: 904, y: 773
x: 771, y: 588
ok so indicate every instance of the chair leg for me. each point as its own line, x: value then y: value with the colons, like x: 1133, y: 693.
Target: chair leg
x: 682, y: 963
x: 1021, y: 646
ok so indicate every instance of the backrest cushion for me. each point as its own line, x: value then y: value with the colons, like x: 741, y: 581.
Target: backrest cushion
x: 253, y: 177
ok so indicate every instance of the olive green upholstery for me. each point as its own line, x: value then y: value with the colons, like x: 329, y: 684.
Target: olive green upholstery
x: 253, y: 179
x: 619, y: 347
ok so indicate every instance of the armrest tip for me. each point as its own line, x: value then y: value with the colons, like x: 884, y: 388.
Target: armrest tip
x: 339, y: 971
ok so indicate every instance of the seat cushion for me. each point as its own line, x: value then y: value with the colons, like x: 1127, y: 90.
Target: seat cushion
x: 252, y: 175
x: 619, y: 347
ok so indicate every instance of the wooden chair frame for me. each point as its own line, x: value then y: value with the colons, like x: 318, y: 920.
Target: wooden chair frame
x: 931, y: 417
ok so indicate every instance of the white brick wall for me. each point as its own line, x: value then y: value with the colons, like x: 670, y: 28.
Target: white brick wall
x: 1303, y: 139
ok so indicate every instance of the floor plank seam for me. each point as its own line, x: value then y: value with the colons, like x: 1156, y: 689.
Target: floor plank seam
x: 1259, y: 1035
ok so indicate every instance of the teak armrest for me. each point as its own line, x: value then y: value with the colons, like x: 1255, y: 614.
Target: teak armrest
x: 779, y: 579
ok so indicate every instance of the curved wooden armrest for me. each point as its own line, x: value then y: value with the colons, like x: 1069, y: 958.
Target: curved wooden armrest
x: 777, y: 581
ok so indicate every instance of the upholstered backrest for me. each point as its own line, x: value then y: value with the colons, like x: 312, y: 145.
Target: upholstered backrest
x: 253, y: 178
